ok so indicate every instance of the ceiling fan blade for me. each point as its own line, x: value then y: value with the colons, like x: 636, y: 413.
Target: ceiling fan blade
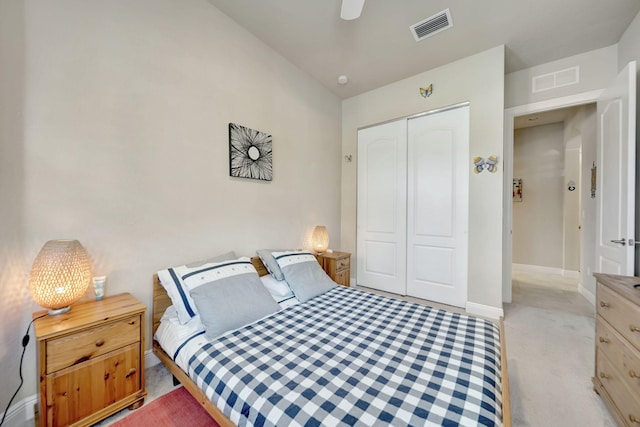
x: 351, y: 9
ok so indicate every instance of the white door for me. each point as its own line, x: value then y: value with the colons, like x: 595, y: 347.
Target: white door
x: 381, y: 218
x: 438, y: 206
x: 615, y: 190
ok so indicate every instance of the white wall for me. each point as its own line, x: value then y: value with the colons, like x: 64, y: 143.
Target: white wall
x: 123, y: 144
x: 629, y: 44
x: 571, y: 208
x: 582, y: 125
x: 478, y: 79
x: 538, y: 159
x: 597, y: 69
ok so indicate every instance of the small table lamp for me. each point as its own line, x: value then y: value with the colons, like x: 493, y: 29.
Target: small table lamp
x: 320, y: 239
x: 60, y: 275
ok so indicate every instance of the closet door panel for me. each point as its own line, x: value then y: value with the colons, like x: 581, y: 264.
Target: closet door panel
x: 437, y: 206
x: 381, y: 217
x: 433, y: 182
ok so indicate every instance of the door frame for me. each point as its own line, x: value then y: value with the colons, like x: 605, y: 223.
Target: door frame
x: 507, y: 209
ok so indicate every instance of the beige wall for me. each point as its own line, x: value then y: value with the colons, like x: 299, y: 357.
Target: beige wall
x: 123, y: 144
x: 478, y: 79
x: 15, y: 302
x: 538, y: 159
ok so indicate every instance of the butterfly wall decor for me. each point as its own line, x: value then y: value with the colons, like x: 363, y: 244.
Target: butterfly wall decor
x: 426, y: 92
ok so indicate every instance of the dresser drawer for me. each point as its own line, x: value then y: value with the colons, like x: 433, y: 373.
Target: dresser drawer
x: 627, y: 403
x: 623, y: 358
x: 343, y: 264
x: 76, y: 348
x: 623, y: 315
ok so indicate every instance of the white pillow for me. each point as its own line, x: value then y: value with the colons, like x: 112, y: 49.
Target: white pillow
x: 171, y: 281
x: 277, y: 288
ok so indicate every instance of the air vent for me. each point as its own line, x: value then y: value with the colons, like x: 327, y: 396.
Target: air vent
x: 432, y: 25
x: 569, y: 76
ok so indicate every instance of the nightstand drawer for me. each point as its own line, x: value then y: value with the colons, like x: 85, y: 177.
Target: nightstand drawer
x: 76, y: 348
x: 343, y: 264
x: 79, y: 391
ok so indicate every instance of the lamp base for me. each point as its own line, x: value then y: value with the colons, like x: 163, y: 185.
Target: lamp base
x: 55, y: 312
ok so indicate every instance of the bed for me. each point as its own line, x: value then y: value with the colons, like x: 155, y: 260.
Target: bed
x: 349, y: 386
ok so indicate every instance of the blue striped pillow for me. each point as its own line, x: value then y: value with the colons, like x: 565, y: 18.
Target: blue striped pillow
x: 171, y: 281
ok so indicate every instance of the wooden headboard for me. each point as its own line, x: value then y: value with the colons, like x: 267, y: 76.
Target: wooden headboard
x: 161, y: 300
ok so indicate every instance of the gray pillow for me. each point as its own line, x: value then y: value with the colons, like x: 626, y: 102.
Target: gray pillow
x: 303, y: 274
x: 231, y: 302
x: 266, y: 255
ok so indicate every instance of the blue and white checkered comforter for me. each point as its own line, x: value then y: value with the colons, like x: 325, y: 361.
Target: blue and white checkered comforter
x: 353, y: 358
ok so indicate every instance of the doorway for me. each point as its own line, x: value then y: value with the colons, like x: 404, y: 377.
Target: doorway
x: 552, y: 202
x: 583, y: 184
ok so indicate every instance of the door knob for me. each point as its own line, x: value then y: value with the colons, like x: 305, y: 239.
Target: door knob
x: 623, y: 242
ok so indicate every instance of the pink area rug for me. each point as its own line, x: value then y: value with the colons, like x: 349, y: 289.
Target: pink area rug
x: 177, y: 408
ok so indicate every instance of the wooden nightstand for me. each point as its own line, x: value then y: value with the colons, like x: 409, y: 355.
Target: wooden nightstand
x: 91, y: 361
x: 337, y: 265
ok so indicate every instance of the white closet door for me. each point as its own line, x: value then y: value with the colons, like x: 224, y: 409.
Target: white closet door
x: 438, y: 206
x: 381, y: 229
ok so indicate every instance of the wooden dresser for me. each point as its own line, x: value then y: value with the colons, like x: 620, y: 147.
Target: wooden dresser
x: 91, y: 361
x: 337, y: 265
x: 617, y: 370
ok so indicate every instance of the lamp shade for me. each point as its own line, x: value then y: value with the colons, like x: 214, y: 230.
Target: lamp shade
x: 60, y: 275
x: 320, y: 238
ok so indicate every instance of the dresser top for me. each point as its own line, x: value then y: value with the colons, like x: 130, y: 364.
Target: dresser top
x: 86, y: 314
x: 335, y: 254
x: 622, y: 285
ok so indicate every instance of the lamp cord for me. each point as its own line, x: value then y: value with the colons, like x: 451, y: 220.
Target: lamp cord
x: 25, y: 341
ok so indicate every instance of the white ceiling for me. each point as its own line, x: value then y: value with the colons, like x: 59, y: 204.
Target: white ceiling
x: 378, y: 49
x: 544, y: 118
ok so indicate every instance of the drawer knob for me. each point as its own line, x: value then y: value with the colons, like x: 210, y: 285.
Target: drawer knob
x: 604, y: 340
x: 634, y: 328
x: 603, y: 375
x: 633, y: 419
x: 604, y: 304
x: 132, y: 371
x: 633, y: 374
x: 100, y: 343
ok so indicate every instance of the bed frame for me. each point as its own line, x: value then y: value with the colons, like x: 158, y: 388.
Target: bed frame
x: 161, y: 301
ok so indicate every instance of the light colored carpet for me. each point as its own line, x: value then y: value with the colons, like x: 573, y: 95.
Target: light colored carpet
x: 550, y: 331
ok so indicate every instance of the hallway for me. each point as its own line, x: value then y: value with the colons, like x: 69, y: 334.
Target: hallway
x: 550, y: 330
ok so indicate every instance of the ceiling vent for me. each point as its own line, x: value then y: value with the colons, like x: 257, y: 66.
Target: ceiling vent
x: 432, y: 25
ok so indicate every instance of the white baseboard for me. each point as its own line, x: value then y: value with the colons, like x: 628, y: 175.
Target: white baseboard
x: 529, y: 268
x: 587, y: 294
x: 484, y: 310
x: 21, y: 413
x: 150, y: 359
